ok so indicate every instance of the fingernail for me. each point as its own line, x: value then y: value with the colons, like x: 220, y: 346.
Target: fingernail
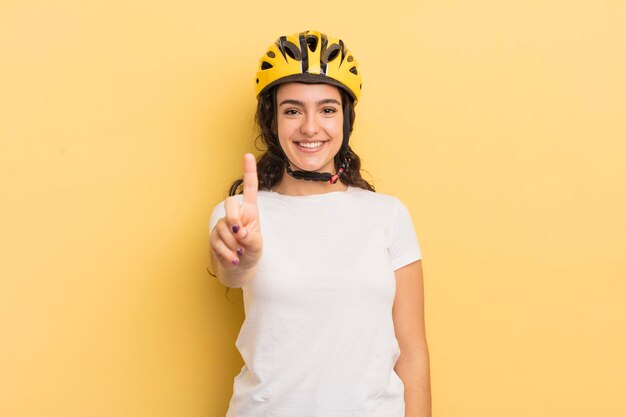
x: 235, y: 229
x: 240, y: 252
x: 235, y: 261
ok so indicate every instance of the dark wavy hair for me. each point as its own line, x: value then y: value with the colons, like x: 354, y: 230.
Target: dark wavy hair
x: 270, y: 170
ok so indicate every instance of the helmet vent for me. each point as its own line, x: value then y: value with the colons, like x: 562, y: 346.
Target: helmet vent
x: 331, y: 53
x: 292, y: 50
x: 312, y: 42
x: 266, y: 65
x: 354, y: 71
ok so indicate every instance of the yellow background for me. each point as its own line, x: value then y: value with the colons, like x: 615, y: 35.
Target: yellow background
x: 500, y: 124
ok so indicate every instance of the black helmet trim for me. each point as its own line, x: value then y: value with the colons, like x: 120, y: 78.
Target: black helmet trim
x: 310, y: 79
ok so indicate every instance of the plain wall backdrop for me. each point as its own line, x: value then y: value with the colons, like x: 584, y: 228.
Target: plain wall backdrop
x: 500, y: 124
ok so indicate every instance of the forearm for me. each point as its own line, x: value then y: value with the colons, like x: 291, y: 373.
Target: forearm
x: 414, y: 371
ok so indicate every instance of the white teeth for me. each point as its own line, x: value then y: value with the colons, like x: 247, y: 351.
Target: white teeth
x: 310, y: 145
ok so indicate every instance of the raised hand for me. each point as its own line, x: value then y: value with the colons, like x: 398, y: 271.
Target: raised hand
x: 236, y: 238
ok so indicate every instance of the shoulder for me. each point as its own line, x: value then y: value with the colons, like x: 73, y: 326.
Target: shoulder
x: 376, y: 199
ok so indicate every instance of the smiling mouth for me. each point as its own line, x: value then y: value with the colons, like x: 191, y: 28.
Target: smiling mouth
x: 310, y: 145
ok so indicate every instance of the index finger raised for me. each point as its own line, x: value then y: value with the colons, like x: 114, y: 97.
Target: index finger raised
x: 250, y: 179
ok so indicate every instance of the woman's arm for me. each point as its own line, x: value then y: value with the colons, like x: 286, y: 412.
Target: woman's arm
x: 413, y: 365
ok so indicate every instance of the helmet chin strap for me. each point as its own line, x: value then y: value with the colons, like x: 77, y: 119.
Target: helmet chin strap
x: 318, y: 176
x: 314, y: 175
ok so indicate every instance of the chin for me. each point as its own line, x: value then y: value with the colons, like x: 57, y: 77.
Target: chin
x: 325, y: 166
x: 320, y: 163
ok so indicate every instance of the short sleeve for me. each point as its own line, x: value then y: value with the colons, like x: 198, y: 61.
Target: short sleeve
x: 404, y: 248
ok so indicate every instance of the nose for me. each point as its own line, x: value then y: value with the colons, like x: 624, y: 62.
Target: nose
x: 310, y: 125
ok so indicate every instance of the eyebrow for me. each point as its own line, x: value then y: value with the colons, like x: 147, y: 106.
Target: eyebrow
x: 319, y: 103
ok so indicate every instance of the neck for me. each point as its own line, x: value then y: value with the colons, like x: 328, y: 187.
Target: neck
x: 291, y: 186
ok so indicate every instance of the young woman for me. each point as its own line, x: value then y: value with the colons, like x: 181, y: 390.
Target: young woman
x: 330, y: 270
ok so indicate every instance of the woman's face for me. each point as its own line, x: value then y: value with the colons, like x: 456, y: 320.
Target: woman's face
x: 310, y: 124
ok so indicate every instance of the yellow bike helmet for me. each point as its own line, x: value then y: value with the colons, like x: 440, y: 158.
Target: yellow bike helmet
x: 310, y: 57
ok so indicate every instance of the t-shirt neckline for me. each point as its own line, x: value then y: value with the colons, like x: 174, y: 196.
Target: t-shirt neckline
x: 332, y: 195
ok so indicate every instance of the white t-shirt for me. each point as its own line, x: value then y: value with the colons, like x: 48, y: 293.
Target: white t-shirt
x: 318, y: 338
